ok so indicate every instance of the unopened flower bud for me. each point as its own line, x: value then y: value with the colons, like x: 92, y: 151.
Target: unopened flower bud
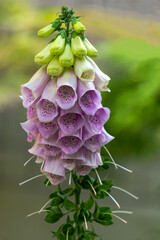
x: 78, y: 26
x: 84, y: 70
x: 58, y: 45
x: 48, y: 30
x: 101, y: 80
x: 66, y: 59
x: 44, y: 56
x: 77, y: 46
x: 91, y: 50
x: 54, y: 68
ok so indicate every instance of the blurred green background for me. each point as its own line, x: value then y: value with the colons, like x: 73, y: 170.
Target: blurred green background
x: 127, y: 36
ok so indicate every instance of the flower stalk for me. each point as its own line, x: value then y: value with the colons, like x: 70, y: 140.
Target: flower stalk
x: 66, y: 119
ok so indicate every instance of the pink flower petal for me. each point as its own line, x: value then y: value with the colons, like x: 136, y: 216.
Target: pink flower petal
x: 34, y: 88
x: 30, y: 127
x: 89, y: 98
x: 47, y: 129
x: 98, y: 120
x: 46, y: 106
x: 66, y: 89
x: 71, y: 120
x: 54, y: 165
x: 70, y: 144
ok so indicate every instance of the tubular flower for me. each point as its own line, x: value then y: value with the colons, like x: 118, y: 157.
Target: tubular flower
x: 66, y: 59
x: 89, y: 98
x: 46, y: 107
x: 54, y: 170
x: 70, y: 143
x: 34, y: 88
x: 31, y: 129
x: 45, y: 56
x: 64, y: 110
x: 97, y: 120
x: 101, y: 80
x: 66, y: 89
x: 71, y: 120
x: 70, y: 160
x: 58, y: 45
x: 91, y: 50
x: 77, y: 46
x: 78, y: 26
x: 84, y: 70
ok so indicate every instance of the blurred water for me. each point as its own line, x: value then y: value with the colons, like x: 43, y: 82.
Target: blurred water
x: 16, y: 202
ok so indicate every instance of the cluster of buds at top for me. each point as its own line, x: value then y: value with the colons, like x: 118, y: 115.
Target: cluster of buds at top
x: 65, y: 115
x: 69, y: 43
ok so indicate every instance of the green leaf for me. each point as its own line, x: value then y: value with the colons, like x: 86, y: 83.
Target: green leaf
x: 96, y: 211
x: 85, y: 237
x: 69, y: 221
x: 46, y: 182
x: 57, y: 201
x: 61, y: 237
x: 102, y: 215
x: 105, y: 214
x: 78, y: 219
x: 54, y: 215
x: 108, y: 184
x: 61, y: 195
x: 71, y: 193
x: 103, y: 222
x: 69, y: 205
x: 68, y: 190
x: 76, y: 181
x: 90, y: 233
x: 85, y: 182
x: 105, y: 159
x: 105, y: 165
x: 102, y: 189
x: 54, y: 234
x: 89, y: 203
x: 68, y: 228
x: 52, y: 195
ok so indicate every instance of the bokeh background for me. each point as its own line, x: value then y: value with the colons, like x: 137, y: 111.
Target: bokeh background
x: 127, y: 36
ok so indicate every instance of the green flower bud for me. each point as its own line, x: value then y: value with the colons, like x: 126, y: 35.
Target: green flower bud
x: 48, y: 30
x: 78, y: 26
x: 44, y: 56
x: 58, y: 45
x: 91, y: 50
x: 66, y: 59
x: 54, y: 68
x: 83, y: 69
x: 78, y: 48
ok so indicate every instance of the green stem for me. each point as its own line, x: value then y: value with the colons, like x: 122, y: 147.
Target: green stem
x: 77, y: 200
x: 68, y: 28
